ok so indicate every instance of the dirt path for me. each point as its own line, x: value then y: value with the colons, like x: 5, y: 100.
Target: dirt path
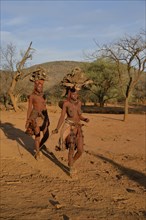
x: 111, y: 181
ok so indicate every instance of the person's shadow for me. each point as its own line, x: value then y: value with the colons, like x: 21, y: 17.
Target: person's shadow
x: 27, y: 142
x: 22, y: 139
x: 132, y: 174
x: 53, y: 158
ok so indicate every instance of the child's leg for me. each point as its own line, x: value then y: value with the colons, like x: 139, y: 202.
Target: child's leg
x: 80, y: 149
x: 37, y: 138
x: 70, y: 157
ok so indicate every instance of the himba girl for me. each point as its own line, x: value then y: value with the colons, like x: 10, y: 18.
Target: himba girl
x: 71, y: 134
x: 37, y: 115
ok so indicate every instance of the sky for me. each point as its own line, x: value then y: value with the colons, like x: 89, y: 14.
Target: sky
x: 67, y: 30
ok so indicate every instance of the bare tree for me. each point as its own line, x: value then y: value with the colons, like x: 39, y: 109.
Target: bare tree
x: 19, y: 74
x: 7, y: 65
x: 129, y: 56
x: 8, y: 56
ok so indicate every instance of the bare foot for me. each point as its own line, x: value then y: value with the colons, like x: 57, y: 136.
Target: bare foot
x: 73, y: 173
x: 38, y: 155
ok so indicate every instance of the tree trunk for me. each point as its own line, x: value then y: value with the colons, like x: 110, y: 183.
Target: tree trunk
x: 10, y: 93
x: 101, y: 103
x: 14, y: 102
x: 5, y: 100
x: 16, y: 77
x: 126, y: 108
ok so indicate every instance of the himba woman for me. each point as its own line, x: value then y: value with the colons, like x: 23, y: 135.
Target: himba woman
x: 37, y: 115
x: 71, y: 135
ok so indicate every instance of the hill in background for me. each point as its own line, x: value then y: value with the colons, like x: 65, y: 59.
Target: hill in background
x: 55, y: 72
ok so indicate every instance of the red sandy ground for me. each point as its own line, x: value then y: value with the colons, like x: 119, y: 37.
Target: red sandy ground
x: 111, y: 181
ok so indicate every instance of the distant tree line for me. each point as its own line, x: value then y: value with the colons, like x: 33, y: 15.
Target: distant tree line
x: 117, y: 70
x: 106, y: 87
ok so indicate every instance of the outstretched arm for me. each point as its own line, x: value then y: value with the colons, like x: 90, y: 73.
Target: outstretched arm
x: 84, y: 119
